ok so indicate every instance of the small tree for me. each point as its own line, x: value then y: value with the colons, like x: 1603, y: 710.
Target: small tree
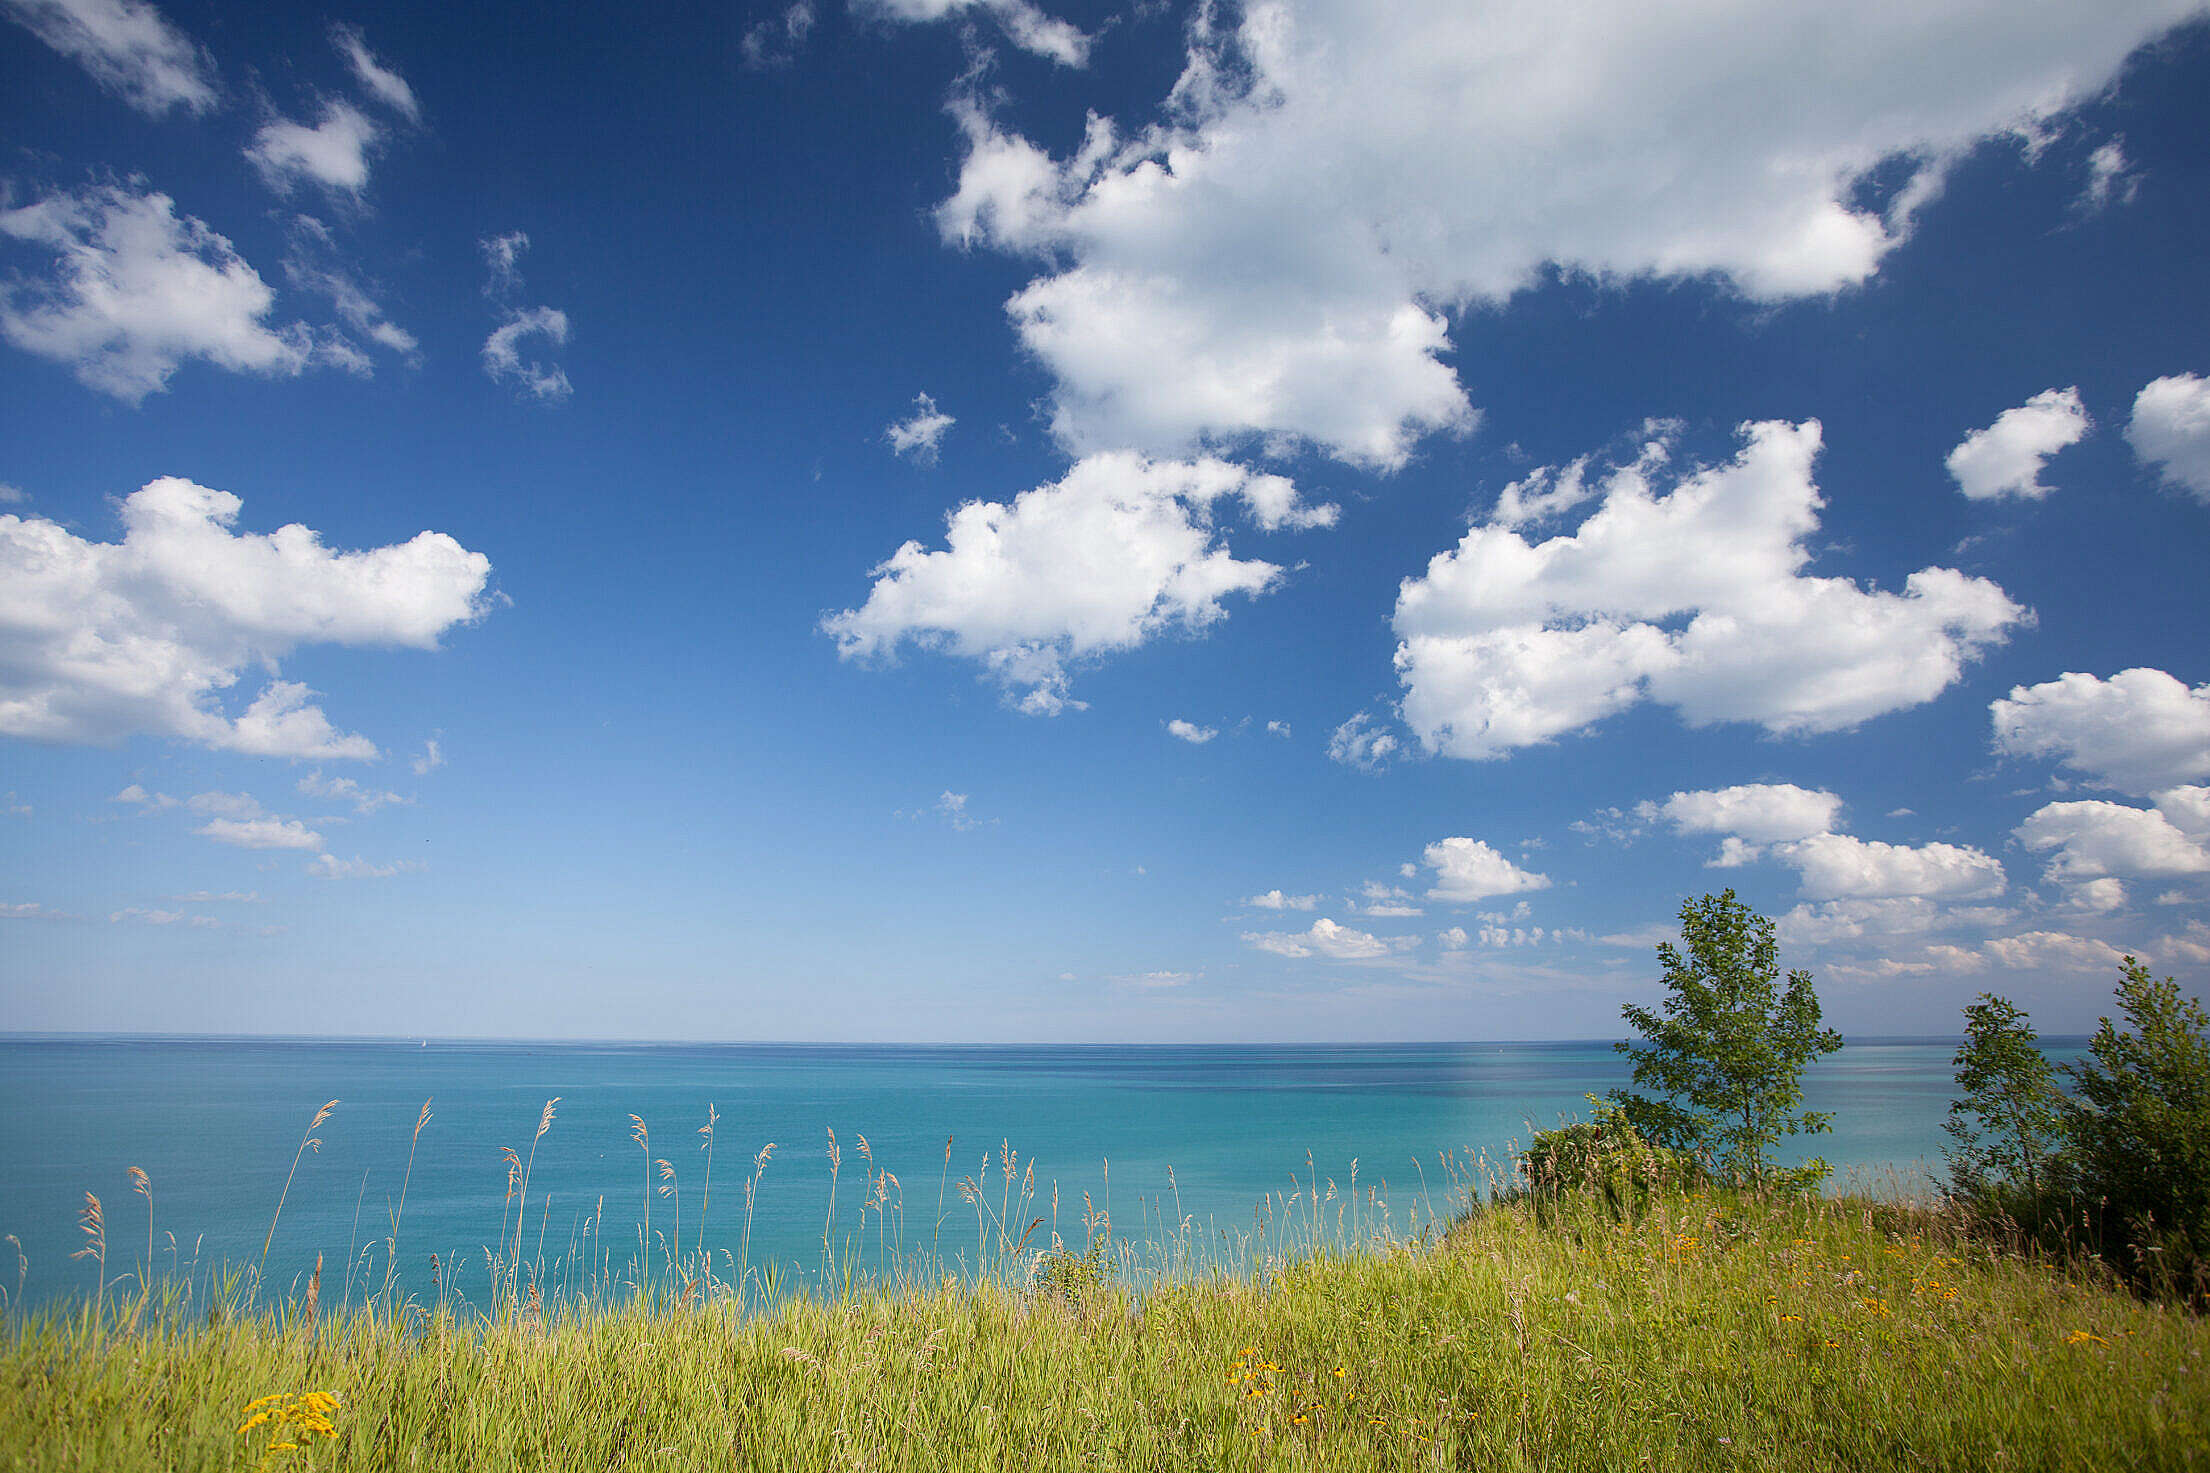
x: 2138, y: 1127
x: 2007, y: 1120
x: 1727, y: 1049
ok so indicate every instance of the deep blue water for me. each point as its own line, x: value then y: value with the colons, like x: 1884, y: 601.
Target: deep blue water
x: 215, y: 1123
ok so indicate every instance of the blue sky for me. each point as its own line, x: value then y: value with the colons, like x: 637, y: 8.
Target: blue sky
x: 922, y: 520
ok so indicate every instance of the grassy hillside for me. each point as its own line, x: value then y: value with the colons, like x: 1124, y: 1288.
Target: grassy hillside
x: 1711, y: 1333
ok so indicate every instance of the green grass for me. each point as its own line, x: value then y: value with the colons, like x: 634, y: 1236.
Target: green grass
x: 1712, y: 1333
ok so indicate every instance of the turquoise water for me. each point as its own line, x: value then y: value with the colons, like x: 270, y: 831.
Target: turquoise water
x: 215, y: 1123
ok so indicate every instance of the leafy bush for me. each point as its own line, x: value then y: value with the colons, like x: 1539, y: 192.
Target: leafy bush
x: 1059, y: 1273
x: 2137, y: 1135
x: 1606, y: 1159
x: 2128, y: 1177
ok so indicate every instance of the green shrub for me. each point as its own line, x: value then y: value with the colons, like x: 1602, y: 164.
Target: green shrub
x: 2136, y: 1158
x: 1606, y: 1159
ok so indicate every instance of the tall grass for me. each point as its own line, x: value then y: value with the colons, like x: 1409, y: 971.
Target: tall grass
x: 1496, y: 1328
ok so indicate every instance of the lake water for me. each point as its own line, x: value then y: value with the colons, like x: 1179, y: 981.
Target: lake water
x: 215, y: 1124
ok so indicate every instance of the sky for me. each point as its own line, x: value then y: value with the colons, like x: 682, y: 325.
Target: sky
x: 1014, y: 520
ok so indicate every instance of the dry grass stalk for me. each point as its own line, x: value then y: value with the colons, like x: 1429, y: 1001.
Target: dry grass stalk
x: 307, y: 1141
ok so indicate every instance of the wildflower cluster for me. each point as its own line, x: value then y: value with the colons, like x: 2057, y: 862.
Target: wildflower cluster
x: 294, y: 1418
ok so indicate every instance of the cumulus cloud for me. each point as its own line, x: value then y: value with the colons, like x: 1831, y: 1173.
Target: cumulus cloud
x: 1883, y: 921
x: 1276, y: 900
x: 378, y: 80
x: 1325, y: 939
x: 1118, y: 552
x: 1757, y: 813
x: 1695, y: 598
x: 917, y: 436
x: 136, y: 292
x: 430, y: 760
x: 1191, y: 732
x: 1194, y: 296
x: 1842, y: 866
x: 2094, y: 839
x: 332, y: 153
x: 2138, y: 731
x: 2170, y: 430
x: 2052, y: 951
x: 1024, y: 24
x: 128, y: 47
x: 1468, y: 869
x: 2006, y: 458
x: 502, y: 353
x: 102, y: 640
x: 1797, y: 826
x: 261, y: 833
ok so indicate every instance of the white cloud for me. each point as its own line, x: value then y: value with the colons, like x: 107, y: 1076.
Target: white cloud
x: 918, y: 435
x: 503, y: 255
x: 1195, y: 296
x: 2138, y: 731
x: 1468, y: 869
x: 330, y: 867
x: 1883, y: 921
x: 1757, y: 813
x: 261, y: 833
x: 31, y: 910
x: 1363, y: 742
x: 502, y: 353
x: 136, y: 292
x: 128, y: 48
x: 100, y: 640
x: 1023, y: 23
x: 2109, y: 180
x: 1326, y: 938
x: 2187, y: 809
x: 380, y: 81
x: 776, y: 41
x: 952, y: 808
x: 1190, y: 732
x: 224, y: 805
x: 1118, y: 552
x: 1277, y: 728
x: 2170, y: 430
x: 365, y: 800
x: 2093, y: 839
x: 1696, y: 598
x: 1275, y: 900
x: 146, y: 917
x: 311, y: 263
x: 2006, y: 458
x: 1157, y: 981
x: 333, y: 153
x: 1841, y: 866
x: 2052, y: 950
x: 1453, y: 939
x: 430, y: 760
x: 150, y: 802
